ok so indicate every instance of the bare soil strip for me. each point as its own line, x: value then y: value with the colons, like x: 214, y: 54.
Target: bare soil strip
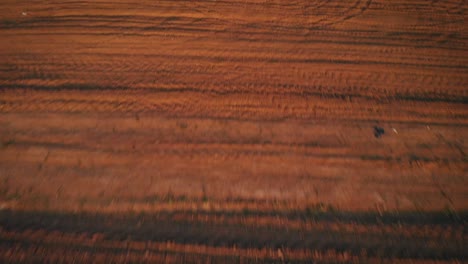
x: 116, y: 234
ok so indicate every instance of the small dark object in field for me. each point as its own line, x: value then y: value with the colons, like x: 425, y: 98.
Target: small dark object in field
x: 378, y: 131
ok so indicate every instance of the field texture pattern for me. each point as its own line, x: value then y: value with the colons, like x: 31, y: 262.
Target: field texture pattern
x: 233, y: 131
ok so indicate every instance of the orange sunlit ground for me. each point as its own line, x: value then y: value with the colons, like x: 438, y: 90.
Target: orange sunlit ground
x: 233, y: 131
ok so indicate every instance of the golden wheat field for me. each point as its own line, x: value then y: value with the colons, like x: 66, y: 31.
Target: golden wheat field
x: 233, y: 131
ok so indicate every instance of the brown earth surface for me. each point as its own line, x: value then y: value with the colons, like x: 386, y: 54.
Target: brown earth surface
x: 233, y: 131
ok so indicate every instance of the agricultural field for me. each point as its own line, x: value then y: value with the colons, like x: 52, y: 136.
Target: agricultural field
x: 233, y: 131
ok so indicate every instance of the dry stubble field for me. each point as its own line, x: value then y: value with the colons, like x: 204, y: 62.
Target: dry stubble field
x: 233, y: 131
